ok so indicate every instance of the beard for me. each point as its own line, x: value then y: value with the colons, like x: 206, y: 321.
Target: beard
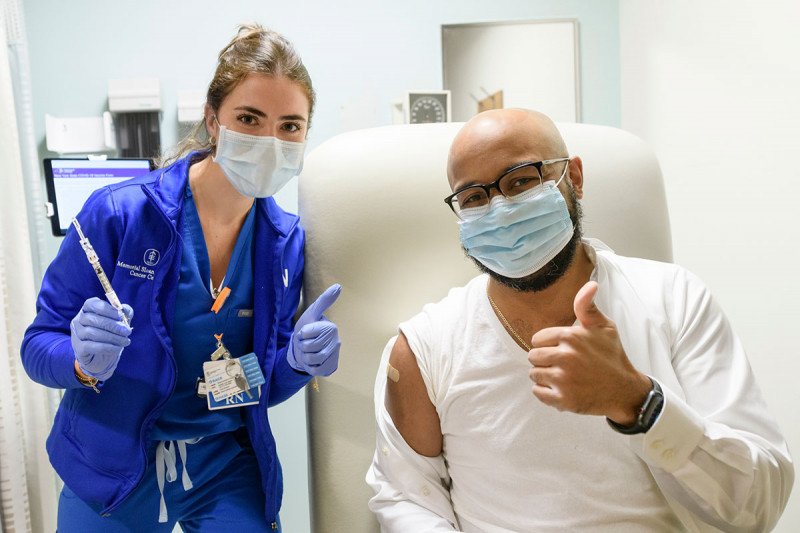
x: 556, y: 267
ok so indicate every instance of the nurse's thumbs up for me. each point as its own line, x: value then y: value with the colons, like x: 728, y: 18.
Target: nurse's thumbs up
x: 584, y: 368
x: 314, y: 347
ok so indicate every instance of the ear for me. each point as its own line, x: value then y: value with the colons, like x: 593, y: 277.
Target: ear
x: 211, y: 124
x: 576, y: 176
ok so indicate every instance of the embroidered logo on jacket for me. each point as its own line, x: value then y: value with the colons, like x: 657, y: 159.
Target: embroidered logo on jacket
x: 151, y: 257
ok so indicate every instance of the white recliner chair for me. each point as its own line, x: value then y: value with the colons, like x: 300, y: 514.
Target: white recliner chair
x: 371, y: 202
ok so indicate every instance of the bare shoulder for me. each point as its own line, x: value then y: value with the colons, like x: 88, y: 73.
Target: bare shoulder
x: 408, y: 404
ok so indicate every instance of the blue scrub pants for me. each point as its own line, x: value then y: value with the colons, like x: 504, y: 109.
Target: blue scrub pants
x: 226, y: 496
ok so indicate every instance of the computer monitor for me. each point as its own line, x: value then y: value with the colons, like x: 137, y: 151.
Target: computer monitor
x: 70, y: 181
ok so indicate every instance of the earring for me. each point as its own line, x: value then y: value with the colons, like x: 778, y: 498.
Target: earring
x: 213, y: 141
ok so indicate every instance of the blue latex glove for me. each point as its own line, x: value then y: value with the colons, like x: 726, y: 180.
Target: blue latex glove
x: 98, y: 337
x: 314, y: 347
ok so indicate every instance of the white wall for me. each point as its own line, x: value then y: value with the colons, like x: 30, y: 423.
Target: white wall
x: 713, y: 86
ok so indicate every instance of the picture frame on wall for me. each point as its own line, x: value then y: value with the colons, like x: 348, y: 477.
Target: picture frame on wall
x: 536, y: 64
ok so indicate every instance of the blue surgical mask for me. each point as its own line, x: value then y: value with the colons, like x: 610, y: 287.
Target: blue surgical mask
x: 520, y: 236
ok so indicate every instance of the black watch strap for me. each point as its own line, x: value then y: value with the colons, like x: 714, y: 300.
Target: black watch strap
x: 648, y: 413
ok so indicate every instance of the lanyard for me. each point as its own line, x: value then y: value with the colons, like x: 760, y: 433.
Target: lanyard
x: 220, y: 298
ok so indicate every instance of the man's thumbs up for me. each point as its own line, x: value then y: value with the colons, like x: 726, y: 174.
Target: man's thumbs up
x: 584, y: 368
x: 586, y: 311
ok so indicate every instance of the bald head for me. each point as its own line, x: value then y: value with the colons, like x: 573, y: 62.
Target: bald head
x: 494, y: 140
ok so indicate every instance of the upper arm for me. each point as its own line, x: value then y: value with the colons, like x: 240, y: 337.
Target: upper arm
x: 407, y: 401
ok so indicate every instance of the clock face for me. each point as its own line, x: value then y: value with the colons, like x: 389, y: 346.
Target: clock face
x: 428, y: 108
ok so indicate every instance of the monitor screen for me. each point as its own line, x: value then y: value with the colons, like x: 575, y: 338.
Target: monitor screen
x: 70, y: 182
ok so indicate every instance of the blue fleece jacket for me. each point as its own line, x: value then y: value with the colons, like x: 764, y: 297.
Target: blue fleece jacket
x: 97, y: 443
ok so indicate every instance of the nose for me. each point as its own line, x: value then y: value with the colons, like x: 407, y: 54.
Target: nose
x: 270, y: 129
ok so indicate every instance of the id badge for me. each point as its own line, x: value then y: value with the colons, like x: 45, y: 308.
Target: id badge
x: 224, y: 378
x: 237, y: 400
x: 227, y: 377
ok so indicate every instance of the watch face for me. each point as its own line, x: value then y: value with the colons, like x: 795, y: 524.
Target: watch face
x: 428, y: 108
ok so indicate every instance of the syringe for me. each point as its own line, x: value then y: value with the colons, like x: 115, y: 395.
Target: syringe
x: 111, y: 296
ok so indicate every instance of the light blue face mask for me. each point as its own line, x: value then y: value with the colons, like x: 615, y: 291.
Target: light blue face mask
x: 257, y: 166
x: 518, y: 237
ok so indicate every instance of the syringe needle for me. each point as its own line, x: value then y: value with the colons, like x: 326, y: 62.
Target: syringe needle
x: 111, y: 295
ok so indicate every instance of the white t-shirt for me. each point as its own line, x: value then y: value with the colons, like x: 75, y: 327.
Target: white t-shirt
x: 513, y: 464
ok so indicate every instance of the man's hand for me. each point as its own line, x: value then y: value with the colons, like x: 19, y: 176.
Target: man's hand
x: 584, y: 368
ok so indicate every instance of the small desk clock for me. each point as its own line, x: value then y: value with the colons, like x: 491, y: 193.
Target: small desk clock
x: 427, y: 106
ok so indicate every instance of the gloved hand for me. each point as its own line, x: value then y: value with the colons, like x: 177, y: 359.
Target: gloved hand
x: 98, y: 337
x: 314, y: 346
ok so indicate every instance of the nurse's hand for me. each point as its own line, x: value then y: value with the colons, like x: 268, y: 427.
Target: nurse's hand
x: 314, y: 347
x: 99, y: 336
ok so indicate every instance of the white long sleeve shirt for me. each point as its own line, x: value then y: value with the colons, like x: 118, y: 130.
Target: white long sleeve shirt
x: 714, y: 460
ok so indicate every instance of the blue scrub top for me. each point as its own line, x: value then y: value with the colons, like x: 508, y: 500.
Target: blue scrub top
x: 186, y: 416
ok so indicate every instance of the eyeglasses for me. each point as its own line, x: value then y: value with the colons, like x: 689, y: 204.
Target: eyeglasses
x: 472, y: 202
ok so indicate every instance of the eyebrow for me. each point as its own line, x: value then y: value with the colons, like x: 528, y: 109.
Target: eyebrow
x: 294, y: 117
x: 252, y: 110
x: 516, y: 165
x: 260, y: 113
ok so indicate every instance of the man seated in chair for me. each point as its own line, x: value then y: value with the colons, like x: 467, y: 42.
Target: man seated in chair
x: 567, y: 388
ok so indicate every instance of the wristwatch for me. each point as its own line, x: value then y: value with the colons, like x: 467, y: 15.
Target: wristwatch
x: 648, y: 413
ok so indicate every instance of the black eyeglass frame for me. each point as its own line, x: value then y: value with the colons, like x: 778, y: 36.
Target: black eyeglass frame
x: 496, y: 183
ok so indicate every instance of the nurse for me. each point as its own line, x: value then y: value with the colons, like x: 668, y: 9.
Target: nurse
x: 165, y: 421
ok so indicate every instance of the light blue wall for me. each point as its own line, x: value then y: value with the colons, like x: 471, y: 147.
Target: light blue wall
x: 361, y: 54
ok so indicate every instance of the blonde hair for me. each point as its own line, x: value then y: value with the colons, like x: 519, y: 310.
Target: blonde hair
x: 254, y: 49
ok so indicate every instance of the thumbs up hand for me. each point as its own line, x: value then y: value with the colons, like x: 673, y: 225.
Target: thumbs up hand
x: 584, y: 368
x: 314, y: 347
